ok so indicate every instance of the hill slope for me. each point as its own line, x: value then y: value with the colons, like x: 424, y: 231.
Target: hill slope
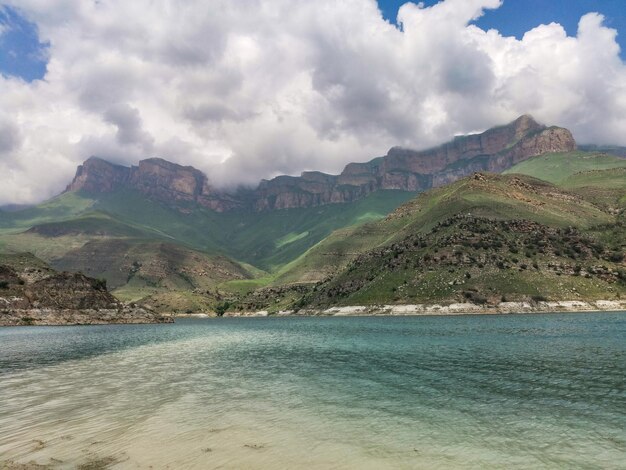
x: 483, y: 238
x: 557, y: 167
x: 497, y: 197
x: 154, y: 231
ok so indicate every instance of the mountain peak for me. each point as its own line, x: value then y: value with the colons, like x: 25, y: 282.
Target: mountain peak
x: 494, y: 150
x: 99, y: 176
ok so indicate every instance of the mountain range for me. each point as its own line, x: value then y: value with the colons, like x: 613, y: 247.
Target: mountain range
x: 438, y: 225
x: 401, y: 169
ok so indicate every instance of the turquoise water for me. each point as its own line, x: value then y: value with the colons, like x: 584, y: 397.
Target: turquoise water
x: 527, y: 391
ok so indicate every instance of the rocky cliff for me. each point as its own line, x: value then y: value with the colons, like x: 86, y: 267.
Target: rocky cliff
x: 494, y: 150
x: 31, y: 293
x: 154, y: 177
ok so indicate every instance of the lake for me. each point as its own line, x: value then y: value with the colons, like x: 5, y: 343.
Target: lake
x: 492, y: 391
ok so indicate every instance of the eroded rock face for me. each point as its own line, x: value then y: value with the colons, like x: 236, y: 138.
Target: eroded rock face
x: 156, y: 178
x: 70, y: 291
x: 63, y: 298
x: 99, y: 176
x: 494, y: 150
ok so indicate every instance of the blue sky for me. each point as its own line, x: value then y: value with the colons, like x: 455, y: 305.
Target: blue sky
x: 311, y: 85
x: 515, y: 17
x: 23, y: 55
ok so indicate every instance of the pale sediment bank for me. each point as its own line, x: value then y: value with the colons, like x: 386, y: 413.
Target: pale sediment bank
x: 450, y: 309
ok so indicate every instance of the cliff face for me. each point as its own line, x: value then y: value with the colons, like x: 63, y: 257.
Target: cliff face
x: 99, y: 176
x: 156, y: 178
x: 494, y: 150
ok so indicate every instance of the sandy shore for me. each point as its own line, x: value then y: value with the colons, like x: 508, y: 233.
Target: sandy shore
x: 451, y: 309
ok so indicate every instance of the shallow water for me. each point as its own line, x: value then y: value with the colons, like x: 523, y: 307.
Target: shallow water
x: 527, y: 391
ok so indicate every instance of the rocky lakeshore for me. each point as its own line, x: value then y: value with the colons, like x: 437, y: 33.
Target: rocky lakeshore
x: 50, y: 317
x: 32, y: 293
x: 466, y: 308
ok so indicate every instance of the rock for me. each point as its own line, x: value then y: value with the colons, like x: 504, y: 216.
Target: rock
x: 63, y: 298
x: 404, y: 169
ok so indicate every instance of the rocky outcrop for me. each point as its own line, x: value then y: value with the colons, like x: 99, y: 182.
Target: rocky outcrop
x: 36, y: 296
x: 494, y: 150
x: 156, y: 178
x: 99, y: 176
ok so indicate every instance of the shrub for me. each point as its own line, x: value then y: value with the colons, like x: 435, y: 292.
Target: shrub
x: 222, y: 307
x: 99, y: 284
x: 479, y: 299
x: 4, y: 284
x: 538, y: 298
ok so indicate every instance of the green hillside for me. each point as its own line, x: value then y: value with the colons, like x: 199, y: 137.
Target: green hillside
x: 481, y: 260
x: 484, y: 239
x: 557, y: 167
x: 108, y: 235
x: 496, y: 197
x: 63, y: 207
x: 264, y: 239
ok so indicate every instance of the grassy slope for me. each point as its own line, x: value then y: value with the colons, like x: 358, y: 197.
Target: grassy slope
x: 598, y: 178
x: 498, y: 197
x: 557, y: 167
x: 63, y: 207
x: 266, y: 239
x: 104, y: 236
x: 482, y: 260
x: 483, y: 254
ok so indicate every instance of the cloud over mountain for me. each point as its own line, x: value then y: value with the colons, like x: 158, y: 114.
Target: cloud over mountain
x: 249, y: 89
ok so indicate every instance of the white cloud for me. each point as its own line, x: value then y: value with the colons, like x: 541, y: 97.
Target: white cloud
x: 249, y: 89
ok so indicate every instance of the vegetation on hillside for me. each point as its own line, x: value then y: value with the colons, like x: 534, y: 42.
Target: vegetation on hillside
x: 485, y: 238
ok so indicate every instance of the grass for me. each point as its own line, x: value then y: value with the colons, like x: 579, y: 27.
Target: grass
x: 557, y: 167
x: 178, y: 259
x: 63, y: 207
x: 496, y: 197
x: 266, y: 240
x: 146, y: 249
x: 290, y: 238
x: 477, y: 259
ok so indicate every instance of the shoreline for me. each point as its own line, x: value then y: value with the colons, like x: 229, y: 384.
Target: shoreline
x: 503, y: 308
x: 69, y: 317
x: 53, y: 317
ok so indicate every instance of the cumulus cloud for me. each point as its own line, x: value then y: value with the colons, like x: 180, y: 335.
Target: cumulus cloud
x: 9, y: 136
x: 250, y: 89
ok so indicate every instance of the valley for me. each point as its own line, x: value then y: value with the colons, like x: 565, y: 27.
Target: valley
x: 550, y: 228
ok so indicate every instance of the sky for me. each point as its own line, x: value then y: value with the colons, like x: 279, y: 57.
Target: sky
x: 255, y: 88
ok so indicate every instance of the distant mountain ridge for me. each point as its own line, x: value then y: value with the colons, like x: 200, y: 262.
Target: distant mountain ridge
x: 494, y: 150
